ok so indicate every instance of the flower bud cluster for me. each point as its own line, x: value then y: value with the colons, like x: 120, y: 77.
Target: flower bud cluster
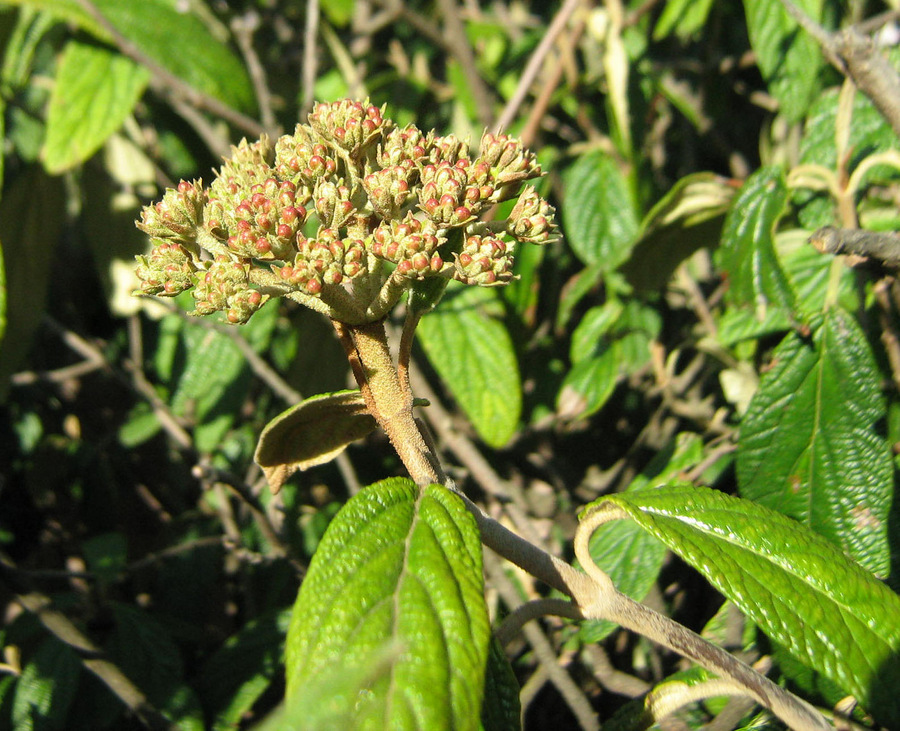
x: 167, y: 271
x: 347, y: 196
x: 326, y: 259
x: 224, y: 285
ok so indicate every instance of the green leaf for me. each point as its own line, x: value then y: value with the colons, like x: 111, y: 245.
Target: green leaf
x: 788, y: 57
x: 794, y: 584
x: 474, y: 355
x: 689, y: 217
x: 231, y: 681
x: 31, y: 213
x: 684, y: 18
x: 313, y: 432
x: 398, y: 576
x: 45, y: 690
x: 590, y: 383
x: 95, y: 91
x: 599, y: 216
x: 747, y: 252
x: 810, y: 445
x: 501, y: 710
x: 181, y: 43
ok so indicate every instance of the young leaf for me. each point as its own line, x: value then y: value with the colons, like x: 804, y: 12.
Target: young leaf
x: 809, y: 445
x: 794, y: 584
x: 747, y: 252
x: 400, y: 566
x: 788, y: 57
x: 474, y: 355
x: 313, y: 432
x: 95, y: 91
x: 599, y: 217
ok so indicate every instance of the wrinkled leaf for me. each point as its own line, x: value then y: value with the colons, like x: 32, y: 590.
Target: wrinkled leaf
x: 788, y: 57
x: 95, y: 91
x: 313, y: 432
x: 599, y: 216
x: 794, y: 584
x: 399, y: 567
x: 747, y: 252
x: 810, y: 445
x: 474, y: 355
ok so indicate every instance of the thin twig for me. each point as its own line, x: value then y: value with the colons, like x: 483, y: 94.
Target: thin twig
x: 243, y: 29
x: 458, y: 42
x: 543, y: 649
x: 310, y: 57
x: 534, y: 64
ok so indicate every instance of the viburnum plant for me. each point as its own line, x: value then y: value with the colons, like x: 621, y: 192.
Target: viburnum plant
x: 352, y: 216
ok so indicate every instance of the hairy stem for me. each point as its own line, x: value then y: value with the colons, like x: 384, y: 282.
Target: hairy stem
x: 387, y: 399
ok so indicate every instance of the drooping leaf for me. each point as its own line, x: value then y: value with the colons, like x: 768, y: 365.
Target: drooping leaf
x: 788, y: 57
x: 809, y: 444
x: 599, y: 215
x: 45, y: 690
x: 795, y: 585
x: 397, y: 576
x: 747, y: 252
x: 95, y: 91
x: 474, y: 355
x: 31, y: 214
x: 501, y: 710
x: 686, y: 219
x: 313, y: 432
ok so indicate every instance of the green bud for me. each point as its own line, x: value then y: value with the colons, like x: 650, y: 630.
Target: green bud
x: 167, y: 271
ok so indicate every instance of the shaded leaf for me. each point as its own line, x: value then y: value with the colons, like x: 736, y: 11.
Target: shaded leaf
x: 474, y: 355
x: 809, y: 444
x: 397, y: 575
x: 794, y: 584
x: 46, y: 688
x: 599, y: 216
x: 313, y: 432
x: 31, y: 214
x: 682, y: 18
x: 231, y: 681
x: 95, y: 91
x: 788, y: 57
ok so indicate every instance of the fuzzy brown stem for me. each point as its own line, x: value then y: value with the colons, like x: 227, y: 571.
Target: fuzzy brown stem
x: 387, y: 399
